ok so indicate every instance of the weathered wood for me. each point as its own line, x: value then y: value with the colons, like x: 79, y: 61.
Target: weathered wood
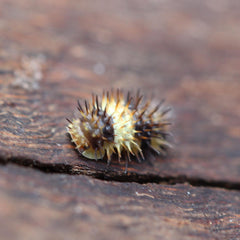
x: 55, y: 52
x: 35, y: 205
x: 184, y: 55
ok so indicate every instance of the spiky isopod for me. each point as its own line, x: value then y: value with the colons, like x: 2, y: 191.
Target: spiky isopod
x: 117, y: 124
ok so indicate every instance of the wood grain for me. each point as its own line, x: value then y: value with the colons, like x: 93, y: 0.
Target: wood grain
x: 181, y: 55
x: 59, y: 206
x: 53, y: 53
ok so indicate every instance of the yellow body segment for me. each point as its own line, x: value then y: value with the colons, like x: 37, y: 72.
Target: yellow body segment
x: 123, y: 124
x: 116, y: 125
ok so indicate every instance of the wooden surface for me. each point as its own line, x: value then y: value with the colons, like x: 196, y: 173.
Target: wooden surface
x: 55, y: 52
x: 60, y: 206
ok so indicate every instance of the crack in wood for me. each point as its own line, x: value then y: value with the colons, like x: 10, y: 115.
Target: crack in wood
x: 118, y: 176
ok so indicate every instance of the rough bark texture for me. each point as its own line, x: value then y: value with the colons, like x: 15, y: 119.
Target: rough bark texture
x: 55, y: 52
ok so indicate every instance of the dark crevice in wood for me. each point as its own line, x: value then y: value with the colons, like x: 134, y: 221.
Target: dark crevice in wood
x: 119, y: 177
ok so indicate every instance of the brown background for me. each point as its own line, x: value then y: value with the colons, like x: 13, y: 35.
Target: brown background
x: 55, y: 52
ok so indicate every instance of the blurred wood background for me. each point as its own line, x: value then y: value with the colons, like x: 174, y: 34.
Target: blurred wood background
x: 55, y: 52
